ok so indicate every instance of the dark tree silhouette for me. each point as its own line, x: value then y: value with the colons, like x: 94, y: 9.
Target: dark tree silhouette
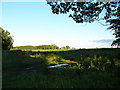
x: 85, y: 11
x: 116, y: 43
x: 90, y: 11
x: 115, y: 26
x: 7, y: 40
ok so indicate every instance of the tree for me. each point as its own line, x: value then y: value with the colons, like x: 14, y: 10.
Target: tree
x: 7, y: 40
x: 116, y: 43
x: 53, y: 46
x: 85, y: 11
x: 115, y: 26
x: 82, y: 12
x: 67, y: 47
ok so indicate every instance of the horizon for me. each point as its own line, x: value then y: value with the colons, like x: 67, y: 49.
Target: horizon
x: 68, y: 45
x: 33, y: 23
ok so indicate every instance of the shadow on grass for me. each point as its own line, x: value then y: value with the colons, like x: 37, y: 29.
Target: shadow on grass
x: 21, y: 70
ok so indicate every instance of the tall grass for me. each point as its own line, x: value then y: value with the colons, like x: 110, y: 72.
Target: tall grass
x: 94, y: 69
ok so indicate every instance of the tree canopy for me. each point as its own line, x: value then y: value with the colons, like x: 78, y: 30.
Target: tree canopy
x: 48, y: 47
x: 65, y: 47
x: 7, y: 40
x: 115, y: 26
x: 82, y: 12
x: 86, y: 11
x: 53, y: 46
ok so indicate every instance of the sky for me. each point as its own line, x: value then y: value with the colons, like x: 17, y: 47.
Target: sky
x: 33, y: 23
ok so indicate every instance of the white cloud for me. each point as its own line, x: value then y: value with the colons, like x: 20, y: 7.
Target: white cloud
x: 106, y: 41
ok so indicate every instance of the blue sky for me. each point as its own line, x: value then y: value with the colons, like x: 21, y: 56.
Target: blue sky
x: 33, y: 23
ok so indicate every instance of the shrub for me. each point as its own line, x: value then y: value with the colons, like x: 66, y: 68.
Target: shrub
x: 7, y: 40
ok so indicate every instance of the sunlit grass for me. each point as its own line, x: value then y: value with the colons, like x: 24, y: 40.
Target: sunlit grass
x: 93, y: 69
x: 43, y: 50
x: 53, y: 50
x: 52, y: 58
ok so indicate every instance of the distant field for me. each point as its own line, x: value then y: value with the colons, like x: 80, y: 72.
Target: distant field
x: 53, y: 50
x: 44, y: 50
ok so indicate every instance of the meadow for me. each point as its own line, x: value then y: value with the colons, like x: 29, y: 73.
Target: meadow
x: 94, y: 68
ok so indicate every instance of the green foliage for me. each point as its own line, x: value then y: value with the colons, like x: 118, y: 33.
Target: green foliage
x: 22, y: 69
x: 82, y: 12
x: 86, y: 11
x: 115, y: 26
x: 24, y: 47
x: 65, y: 47
x: 7, y: 40
x: 51, y: 50
x: 48, y: 47
x: 42, y: 47
x: 52, y: 58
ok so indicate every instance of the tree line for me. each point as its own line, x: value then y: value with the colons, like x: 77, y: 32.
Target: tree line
x: 53, y: 46
x: 80, y: 12
x: 7, y: 43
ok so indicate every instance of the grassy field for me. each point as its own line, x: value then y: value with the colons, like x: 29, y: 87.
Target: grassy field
x: 44, y: 50
x: 95, y: 68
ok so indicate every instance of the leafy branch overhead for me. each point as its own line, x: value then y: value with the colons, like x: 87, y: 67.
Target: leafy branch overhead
x: 86, y: 11
x: 115, y: 26
x: 82, y: 12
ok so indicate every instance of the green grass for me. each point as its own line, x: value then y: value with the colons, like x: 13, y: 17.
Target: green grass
x: 53, y: 50
x: 96, y: 68
x: 61, y: 79
x: 45, y: 50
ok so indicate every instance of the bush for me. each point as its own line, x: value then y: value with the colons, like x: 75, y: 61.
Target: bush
x: 7, y: 40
